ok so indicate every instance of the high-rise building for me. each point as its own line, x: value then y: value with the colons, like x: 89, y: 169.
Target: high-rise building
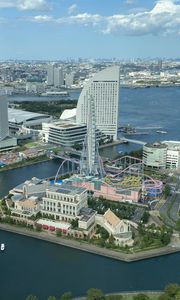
x: 50, y: 75
x: 104, y: 88
x: 4, y: 127
x: 58, y: 77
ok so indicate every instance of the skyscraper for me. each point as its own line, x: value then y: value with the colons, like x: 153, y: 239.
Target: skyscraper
x: 104, y: 88
x: 4, y: 127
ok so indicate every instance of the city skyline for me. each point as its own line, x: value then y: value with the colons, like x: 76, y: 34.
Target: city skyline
x: 44, y: 29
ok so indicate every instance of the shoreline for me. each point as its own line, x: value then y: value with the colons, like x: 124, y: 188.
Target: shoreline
x: 13, y: 167
x: 89, y: 247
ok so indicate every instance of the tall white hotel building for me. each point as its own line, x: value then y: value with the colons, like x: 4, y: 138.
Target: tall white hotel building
x: 104, y: 88
x: 4, y: 126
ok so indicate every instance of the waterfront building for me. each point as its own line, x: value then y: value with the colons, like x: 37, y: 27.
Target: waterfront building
x: 104, y: 88
x: 4, y: 127
x: 63, y: 133
x: 119, y: 229
x: 31, y: 187
x: 27, y: 207
x: 6, y: 142
x: 164, y: 154
x: 64, y: 202
x: 154, y: 155
x: 19, y: 118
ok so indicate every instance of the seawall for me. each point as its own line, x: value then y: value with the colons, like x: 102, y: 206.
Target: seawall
x: 49, y: 237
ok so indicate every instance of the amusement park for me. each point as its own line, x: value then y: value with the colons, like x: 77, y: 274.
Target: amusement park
x: 123, y: 179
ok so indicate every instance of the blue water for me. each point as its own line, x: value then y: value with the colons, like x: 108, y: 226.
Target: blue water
x: 30, y: 266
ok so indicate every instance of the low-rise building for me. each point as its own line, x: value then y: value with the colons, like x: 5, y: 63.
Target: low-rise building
x: 30, y: 206
x: 154, y: 155
x: 164, y: 155
x: 120, y: 229
x: 64, y: 203
x: 63, y: 133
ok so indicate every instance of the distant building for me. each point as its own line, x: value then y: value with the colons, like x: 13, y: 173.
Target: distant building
x: 58, y: 77
x: 69, y: 79
x: 50, y: 75
x: 104, y: 88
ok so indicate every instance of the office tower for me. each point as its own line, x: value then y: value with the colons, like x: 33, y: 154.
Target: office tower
x: 104, y: 88
x: 50, y: 75
x: 58, y: 77
x: 90, y: 162
x: 4, y: 127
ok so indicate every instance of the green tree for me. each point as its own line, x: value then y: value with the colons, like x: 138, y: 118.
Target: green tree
x: 141, y: 297
x: 172, y: 289
x: 145, y: 216
x: 167, y: 191
x: 51, y: 298
x: 66, y: 296
x: 95, y: 294
x: 74, y: 223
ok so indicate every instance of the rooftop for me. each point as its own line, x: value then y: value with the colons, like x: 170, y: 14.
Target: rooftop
x: 157, y: 145
x: 111, y: 218
x: 19, y: 116
x: 67, y: 189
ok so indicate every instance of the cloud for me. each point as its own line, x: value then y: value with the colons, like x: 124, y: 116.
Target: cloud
x: 163, y: 18
x: 83, y: 19
x: 42, y: 19
x: 72, y: 9
x: 25, y: 4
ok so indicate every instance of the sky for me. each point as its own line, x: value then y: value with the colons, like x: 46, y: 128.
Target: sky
x: 60, y: 29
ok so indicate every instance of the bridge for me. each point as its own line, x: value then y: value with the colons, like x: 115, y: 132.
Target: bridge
x: 133, y: 141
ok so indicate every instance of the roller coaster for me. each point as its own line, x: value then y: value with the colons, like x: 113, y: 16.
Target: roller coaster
x: 125, y: 173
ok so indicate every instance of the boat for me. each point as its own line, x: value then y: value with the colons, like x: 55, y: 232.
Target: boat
x: 161, y: 131
x: 2, y: 246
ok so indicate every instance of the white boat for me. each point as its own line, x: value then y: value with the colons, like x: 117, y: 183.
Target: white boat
x: 161, y: 131
x: 2, y: 246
